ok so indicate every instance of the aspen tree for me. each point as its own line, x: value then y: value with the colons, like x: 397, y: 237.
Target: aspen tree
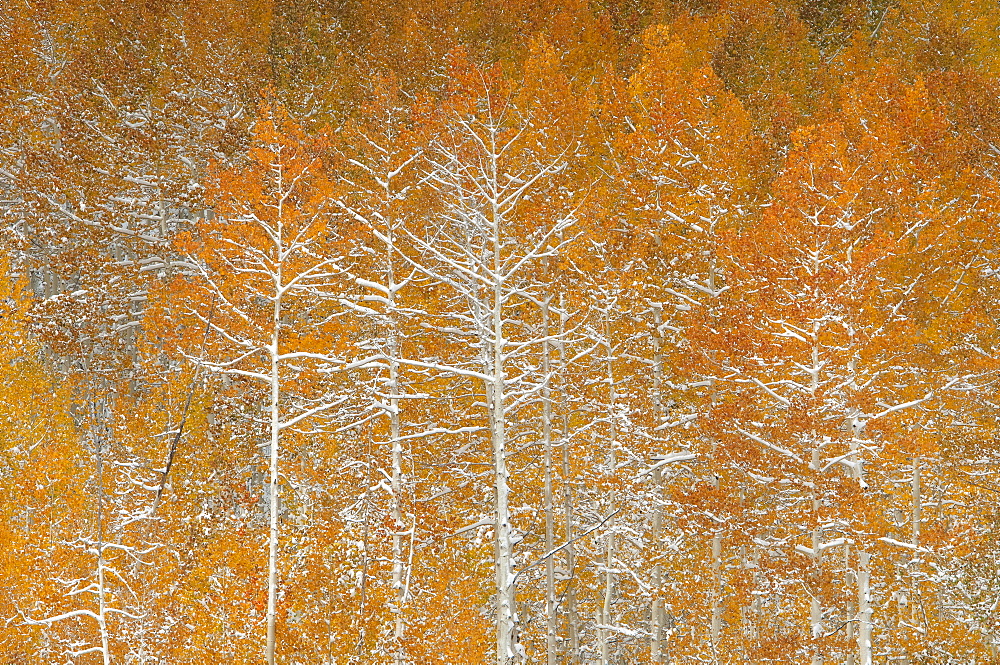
x: 551, y: 617
x: 485, y: 169
x: 263, y: 259
x: 384, y: 151
x: 681, y: 194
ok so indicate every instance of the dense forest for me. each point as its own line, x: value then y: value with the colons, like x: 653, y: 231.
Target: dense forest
x: 549, y: 331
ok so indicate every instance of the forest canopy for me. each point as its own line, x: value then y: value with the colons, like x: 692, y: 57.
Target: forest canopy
x: 550, y: 331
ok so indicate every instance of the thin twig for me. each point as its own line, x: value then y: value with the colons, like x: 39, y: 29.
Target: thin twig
x: 184, y: 414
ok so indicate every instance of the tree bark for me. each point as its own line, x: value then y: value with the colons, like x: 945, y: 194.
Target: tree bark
x: 272, y: 540
x: 609, y: 579
x: 551, y: 617
x: 506, y: 591
x: 572, y: 631
x: 656, y: 607
x: 864, y: 610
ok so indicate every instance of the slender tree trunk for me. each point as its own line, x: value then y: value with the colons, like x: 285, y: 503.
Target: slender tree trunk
x: 609, y: 579
x: 916, y: 500
x: 715, y: 632
x: 656, y: 579
x: 102, y: 605
x: 399, y: 588
x: 864, y: 610
x: 816, y: 607
x: 397, y: 513
x: 851, y: 614
x: 915, y: 516
x: 272, y: 541
x: 102, y: 621
x: 572, y: 631
x: 550, y: 573
x: 506, y: 618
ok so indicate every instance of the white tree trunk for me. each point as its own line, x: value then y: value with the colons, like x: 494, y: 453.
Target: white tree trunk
x: 609, y: 579
x: 864, y: 610
x: 477, y: 252
x: 272, y: 537
x: 550, y: 573
x: 916, y: 500
x: 572, y: 631
x: 716, y: 626
x: 102, y: 621
x: 656, y: 579
x: 852, y: 616
x: 506, y: 617
x: 506, y: 591
x: 399, y: 588
x: 272, y: 540
x: 396, y: 483
x: 816, y: 609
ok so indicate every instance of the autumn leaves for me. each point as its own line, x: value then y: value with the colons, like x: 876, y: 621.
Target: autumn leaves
x: 678, y: 348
